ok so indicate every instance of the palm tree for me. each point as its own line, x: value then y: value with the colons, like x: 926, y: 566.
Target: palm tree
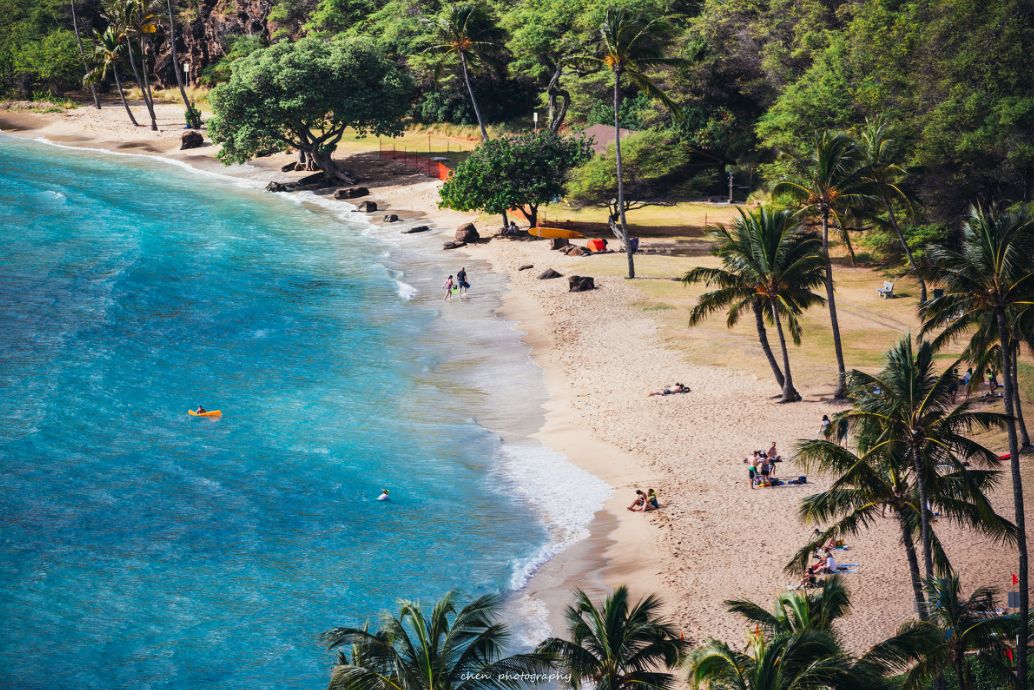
x: 799, y: 611
x: 175, y: 58
x: 618, y: 646
x: 769, y: 264
x: 107, y: 52
x: 448, y: 650
x: 992, y: 274
x: 130, y: 19
x: 82, y: 56
x: 628, y: 44
x: 881, y: 168
x: 964, y: 630
x: 467, y: 30
x: 831, y: 181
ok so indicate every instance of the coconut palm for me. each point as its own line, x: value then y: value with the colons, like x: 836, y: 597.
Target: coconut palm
x: 799, y: 611
x: 107, y: 51
x: 991, y: 274
x: 964, y: 630
x: 768, y: 263
x: 617, y: 646
x: 831, y: 181
x: 82, y: 56
x: 467, y: 30
x: 628, y: 44
x: 448, y: 650
x: 176, y: 68
x: 130, y: 20
x: 881, y: 167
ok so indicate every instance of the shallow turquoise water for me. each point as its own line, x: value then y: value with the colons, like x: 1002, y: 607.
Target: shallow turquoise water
x: 144, y: 548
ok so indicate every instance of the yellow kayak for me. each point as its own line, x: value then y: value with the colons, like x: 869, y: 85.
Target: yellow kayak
x: 208, y: 413
x: 555, y: 233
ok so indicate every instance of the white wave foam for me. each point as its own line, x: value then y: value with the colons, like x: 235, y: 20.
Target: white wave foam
x: 405, y: 290
x: 56, y: 195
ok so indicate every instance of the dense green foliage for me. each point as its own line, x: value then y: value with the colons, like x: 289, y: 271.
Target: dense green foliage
x: 516, y: 172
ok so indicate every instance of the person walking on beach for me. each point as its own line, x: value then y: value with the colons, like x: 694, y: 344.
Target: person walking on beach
x: 449, y: 284
x: 461, y: 279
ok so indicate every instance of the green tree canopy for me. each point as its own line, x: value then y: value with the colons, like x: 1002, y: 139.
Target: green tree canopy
x: 304, y: 95
x: 518, y: 172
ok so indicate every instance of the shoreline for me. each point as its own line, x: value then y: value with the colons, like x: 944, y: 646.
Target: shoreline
x: 599, y: 353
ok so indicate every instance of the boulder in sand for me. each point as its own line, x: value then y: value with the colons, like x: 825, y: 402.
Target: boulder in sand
x: 453, y: 245
x: 415, y: 229
x: 351, y: 192
x: 549, y: 274
x: 391, y: 218
x: 368, y: 206
x: 580, y: 284
x: 191, y: 139
x: 558, y: 243
x: 525, y: 267
x: 288, y: 167
x: 467, y: 233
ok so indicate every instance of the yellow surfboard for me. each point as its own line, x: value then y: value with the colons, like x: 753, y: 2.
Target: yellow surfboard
x: 555, y: 233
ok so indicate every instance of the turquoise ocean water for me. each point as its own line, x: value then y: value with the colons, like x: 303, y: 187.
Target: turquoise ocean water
x: 143, y: 548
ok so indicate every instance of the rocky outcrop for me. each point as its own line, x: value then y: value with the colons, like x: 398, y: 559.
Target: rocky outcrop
x: 580, y: 284
x: 467, y: 233
x: 191, y: 139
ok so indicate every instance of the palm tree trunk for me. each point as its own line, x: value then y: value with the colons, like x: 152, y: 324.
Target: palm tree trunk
x: 147, y: 86
x: 1024, y: 436
x: 122, y: 95
x: 759, y: 321
x: 140, y: 84
x: 908, y: 250
x: 473, y: 99
x: 838, y: 348
x: 913, y: 568
x: 960, y: 672
x: 621, y: 180
x: 175, y: 57
x: 790, y: 393
x: 82, y: 55
x: 1017, y: 495
x: 924, y: 515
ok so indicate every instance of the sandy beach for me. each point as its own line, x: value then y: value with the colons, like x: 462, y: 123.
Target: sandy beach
x: 602, y: 351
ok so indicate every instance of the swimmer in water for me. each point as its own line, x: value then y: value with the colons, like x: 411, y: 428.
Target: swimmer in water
x: 383, y: 496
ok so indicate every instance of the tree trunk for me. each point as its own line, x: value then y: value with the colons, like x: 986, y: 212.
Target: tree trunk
x: 82, y: 55
x: 559, y: 100
x: 790, y: 393
x: 1017, y: 496
x: 913, y: 568
x: 140, y: 84
x: 621, y: 180
x: 176, y: 67
x: 122, y: 95
x: 1024, y: 436
x: 325, y: 162
x: 473, y: 99
x: 838, y: 348
x: 908, y: 250
x: 759, y: 321
x: 924, y: 515
x: 532, y: 215
x: 147, y: 85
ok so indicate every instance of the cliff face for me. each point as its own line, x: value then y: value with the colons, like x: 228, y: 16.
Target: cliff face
x: 205, y: 37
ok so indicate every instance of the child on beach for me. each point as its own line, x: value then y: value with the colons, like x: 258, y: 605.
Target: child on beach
x: 447, y: 286
x: 651, y: 501
x: 639, y: 503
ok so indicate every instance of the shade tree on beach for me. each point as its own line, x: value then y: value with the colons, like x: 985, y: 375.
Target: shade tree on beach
x: 304, y: 95
x: 771, y: 266
x: 514, y: 172
x: 988, y: 281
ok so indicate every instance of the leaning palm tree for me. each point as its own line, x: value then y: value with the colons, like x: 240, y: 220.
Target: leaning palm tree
x: 107, y: 51
x: 629, y: 44
x: 770, y: 265
x: 992, y: 274
x: 618, y: 646
x: 467, y: 30
x: 449, y: 650
x: 82, y: 56
x: 175, y: 57
x: 881, y: 167
x: 128, y: 20
x: 829, y: 182
x: 965, y: 630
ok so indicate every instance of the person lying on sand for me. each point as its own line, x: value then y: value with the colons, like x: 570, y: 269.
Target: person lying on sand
x: 670, y: 390
x: 639, y: 503
x: 809, y: 581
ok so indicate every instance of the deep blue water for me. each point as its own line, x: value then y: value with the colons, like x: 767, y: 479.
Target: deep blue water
x: 143, y: 548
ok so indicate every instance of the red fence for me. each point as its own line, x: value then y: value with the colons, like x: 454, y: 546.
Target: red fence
x: 432, y: 163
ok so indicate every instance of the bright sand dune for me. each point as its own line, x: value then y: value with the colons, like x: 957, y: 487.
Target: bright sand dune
x: 602, y: 351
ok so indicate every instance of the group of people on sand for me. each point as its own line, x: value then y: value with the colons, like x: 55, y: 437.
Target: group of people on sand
x: 644, y: 503
x: 458, y: 284
x: 825, y: 563
x: 761, y: 466
x: 673, y: 389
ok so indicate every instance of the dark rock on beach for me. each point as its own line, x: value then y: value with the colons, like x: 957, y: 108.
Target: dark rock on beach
x: 391, y: 218
x: 453, y: 245
x: 351, y: 192
x: 549, y: 273
x: 415, y: 229
x: 288, y: 167
x: 558, y: 243
x: 368, y: 206
x: 191, y: 139
x: 525, y: 267
x: 580, y: 284
x: 276, y: 187
x: 467, y: 233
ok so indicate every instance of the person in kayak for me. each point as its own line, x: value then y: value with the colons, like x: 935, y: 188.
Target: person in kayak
x: 201, y: 409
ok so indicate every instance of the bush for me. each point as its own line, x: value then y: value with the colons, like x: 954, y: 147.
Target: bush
x: 238, y: 47
x: 52, y: 63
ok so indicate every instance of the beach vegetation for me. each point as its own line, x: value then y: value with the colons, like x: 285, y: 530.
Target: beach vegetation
x: 519, y: 172
x: 303, y: 95
x: 616, y: 645
x: 446, y: 648
x: 770, y: 266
